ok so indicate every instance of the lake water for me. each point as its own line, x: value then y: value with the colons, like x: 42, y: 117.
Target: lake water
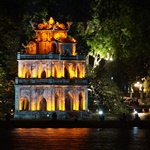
x: 75, y: 139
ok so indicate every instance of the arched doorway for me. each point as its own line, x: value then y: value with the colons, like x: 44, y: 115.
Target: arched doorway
x: 43, y: 104
x: 43, y: 74
x: 27, y: 74
x: 68, y: 104
x: 25, y: 104
x: 80, y: 101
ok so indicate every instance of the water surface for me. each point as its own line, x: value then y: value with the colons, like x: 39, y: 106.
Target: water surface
x: 75, y: 139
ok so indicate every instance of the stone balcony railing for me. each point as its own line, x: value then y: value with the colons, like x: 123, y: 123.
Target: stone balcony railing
x: 51, y: 81
x: 49, y: 56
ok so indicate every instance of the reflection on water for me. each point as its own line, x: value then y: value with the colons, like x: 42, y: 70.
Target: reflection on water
x: 75, y: 139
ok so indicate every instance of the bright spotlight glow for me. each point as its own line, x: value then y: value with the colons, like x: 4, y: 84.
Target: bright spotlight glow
x: 100, y: 112
x: 138, y: 85
x: 135, y: 112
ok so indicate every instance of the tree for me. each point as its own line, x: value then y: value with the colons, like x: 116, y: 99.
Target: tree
x: 105, y: 27
x: 9, y: 46
x: 107, y: 95
x: 146, y: 85
x: 6, y: 92
x: 115, y: 30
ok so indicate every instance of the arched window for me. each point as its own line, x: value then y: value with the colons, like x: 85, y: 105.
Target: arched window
x: 78, y: 72
x: 80, y: 101
x: 55, y: 72
x: 43, y: 104
x: 54, y: 48
x: 27, y: 74
x: 43, y: 74
x: 67, y: 75
x: 25, y: 104
x: 56, y: 101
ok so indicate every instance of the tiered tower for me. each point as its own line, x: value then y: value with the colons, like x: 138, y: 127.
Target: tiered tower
x: 51, y: 75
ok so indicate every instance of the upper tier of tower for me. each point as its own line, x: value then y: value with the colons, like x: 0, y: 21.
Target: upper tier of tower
x: 51, y: 37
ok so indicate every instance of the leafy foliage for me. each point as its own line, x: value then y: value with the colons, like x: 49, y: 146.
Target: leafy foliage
x: 116, y: 29
x: 8, y: 65
x: 106, y: 93
x: 147, y: 85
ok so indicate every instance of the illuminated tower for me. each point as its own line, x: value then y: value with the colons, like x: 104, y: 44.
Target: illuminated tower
x: 51, y: 75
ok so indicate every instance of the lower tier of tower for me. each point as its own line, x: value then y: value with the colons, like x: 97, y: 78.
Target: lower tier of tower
x: 34, y: 100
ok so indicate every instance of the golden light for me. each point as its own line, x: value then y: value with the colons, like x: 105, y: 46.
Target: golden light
x: 20, y: 104
x: 60, y: 35
x: 71, y: 71
x: 73, y: 40
x: 48, y: 73
x: 48, y: 106
x: 51, y: 21
x: 34, y: 74
x: 84, y: 103
x: 53, y: 105
x: 33, y: 106
x: 38, y: 106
